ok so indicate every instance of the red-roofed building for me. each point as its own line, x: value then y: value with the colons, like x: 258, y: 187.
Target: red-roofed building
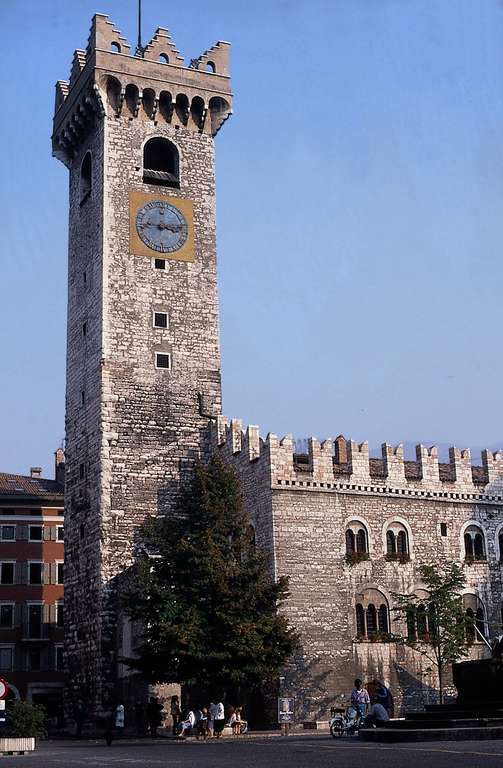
x: 31, y: 586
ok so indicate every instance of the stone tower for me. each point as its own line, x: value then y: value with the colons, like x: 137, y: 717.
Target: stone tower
x: 143, y: 367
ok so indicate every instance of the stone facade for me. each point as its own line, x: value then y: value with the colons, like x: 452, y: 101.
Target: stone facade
x: 132, y: 429
x: 303, y: 505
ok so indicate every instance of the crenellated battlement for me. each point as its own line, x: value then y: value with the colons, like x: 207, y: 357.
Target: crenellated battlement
x: 346, y: 465
x: 153, y: 85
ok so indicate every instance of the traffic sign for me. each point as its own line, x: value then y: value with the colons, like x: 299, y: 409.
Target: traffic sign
x: 4, y: 688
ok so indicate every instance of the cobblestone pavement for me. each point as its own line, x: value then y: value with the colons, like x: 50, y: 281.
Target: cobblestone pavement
x: 313, y: 751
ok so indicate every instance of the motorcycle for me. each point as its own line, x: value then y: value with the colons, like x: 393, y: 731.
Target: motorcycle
x: 344, y: 722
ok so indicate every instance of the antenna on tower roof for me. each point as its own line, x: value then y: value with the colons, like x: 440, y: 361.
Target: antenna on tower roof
x: 140, y: 50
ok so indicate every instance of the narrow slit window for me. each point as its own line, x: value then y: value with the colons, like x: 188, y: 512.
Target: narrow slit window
x: 160, y: 263
x: 86, y: 178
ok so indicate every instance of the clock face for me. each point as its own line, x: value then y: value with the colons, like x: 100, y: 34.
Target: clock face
x: 161, y: 226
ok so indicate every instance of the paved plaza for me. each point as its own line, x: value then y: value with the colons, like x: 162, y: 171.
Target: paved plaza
x: 310, y: 751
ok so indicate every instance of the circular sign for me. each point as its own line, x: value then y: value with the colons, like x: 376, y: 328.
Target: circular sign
x: 161, y: 226
x: 4, y: 688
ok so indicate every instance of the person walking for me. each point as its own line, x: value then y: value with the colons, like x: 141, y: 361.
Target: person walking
x: 119, y: 719
x: 139, y: 718
x: 154, y: 716
x: 176, y: 713
x: 211, y: 719
x: 219, y: 719
x: 360, y: 698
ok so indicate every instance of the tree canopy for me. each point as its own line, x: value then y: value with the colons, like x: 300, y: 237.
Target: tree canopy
x: 205, y: 595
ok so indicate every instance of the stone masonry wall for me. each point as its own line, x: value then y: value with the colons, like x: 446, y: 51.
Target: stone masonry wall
x: 83, y: 438
x: 309, y: 502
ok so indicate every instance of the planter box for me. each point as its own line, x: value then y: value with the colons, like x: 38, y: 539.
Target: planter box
x: 16, y: 745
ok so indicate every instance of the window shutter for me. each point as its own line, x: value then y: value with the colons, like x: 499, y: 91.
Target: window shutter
x: 46, y: 532
x: 19, y: 659
x: 52, y: 613
x: 45, y: 653
x: 22, y: 573
x: 18, y: 614
x: 22, y: 532
x: 54, y: 532
x: 47, y: 574
x: 54, y: 573
x: 46, y: 617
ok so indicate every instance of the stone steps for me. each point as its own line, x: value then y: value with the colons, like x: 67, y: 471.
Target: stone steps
x: 393, y: 735
x: 445, y: 722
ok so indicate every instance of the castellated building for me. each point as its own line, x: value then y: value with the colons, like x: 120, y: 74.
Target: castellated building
x: 143, y: 403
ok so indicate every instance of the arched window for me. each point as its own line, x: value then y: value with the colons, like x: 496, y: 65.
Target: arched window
x: 356, y: 542
x: 474, y: 544
x: 361, y: 541
x: 210, y: 67
x: 479, y: 622
x: 360, y: 620
x: 421, y: 622
x: 401, y: 543
x: 478, y: 547
x: 432, y: 620
x: 161, y: 163
x: 372, y: 622
x: 470, y: 626
x: 411, y: 625
x: 474, y: 619
x: 397, y: 542
x: 350, y: 542
x: 382, y: 618
x: 164, y: 58
x: 371, y: 619
x: 86, y: 177
x: 115, y: 47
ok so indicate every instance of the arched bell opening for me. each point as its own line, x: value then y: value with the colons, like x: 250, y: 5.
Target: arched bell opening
x: 132, y: 97
x: 148, y: 104
x: 165, y: 106
x: 113, y: 94
x: 197, y: 112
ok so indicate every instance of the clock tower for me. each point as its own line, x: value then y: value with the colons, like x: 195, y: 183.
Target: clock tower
x: 143, y: 366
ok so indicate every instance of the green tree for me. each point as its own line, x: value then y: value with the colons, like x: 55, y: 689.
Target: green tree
x: 205, y: 595
x: 435, y: 626
x: 25, y: 720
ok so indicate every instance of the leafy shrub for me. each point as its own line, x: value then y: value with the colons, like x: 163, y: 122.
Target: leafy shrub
x: 25, y: 719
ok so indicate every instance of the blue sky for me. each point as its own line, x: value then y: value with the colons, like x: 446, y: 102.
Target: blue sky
x: 360, y: 214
